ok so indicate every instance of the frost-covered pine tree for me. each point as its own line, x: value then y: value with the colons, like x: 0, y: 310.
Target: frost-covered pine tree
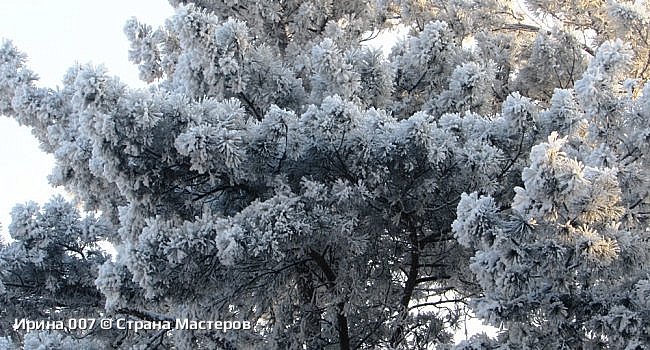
x: 565, y: 265
x: 278, y: 170
x: 48, y: 272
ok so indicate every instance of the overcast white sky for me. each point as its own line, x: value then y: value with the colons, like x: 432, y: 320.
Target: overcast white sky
x: 55, y: 35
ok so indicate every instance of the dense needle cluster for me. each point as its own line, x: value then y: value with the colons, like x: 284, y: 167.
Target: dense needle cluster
x: 280, y: 171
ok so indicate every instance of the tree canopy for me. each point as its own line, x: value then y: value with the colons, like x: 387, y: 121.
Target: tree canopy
x: 279, y: 170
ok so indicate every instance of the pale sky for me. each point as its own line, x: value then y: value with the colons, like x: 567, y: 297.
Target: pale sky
x: 55, y: 35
